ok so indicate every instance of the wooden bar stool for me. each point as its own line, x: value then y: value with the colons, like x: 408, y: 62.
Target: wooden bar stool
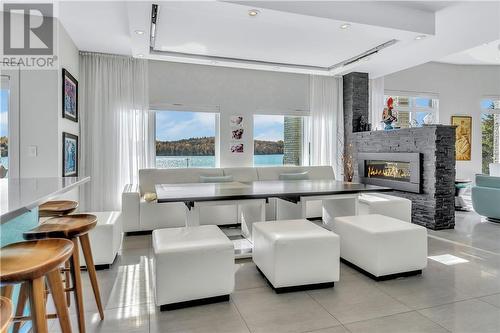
x: 57, y: 208
x: 53, y: 209
x: 5, y: 314
x: 74, y: 227
x: 30, y: 262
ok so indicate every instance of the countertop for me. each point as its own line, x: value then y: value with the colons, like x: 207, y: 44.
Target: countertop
x: 20, y: 195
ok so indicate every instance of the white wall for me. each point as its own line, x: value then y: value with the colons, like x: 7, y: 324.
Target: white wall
x: 40, y: 107
x: 460, y: 89
x: 233, y: 92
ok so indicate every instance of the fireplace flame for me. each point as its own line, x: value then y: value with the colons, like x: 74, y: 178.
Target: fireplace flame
x: 391, y: 171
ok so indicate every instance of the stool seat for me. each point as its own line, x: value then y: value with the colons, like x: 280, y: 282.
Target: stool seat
x: 63, y: 227
x: 57, y: 208
x: 32, y: 259
x: 5, y: 313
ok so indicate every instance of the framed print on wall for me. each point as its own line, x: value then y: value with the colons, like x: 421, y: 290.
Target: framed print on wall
x: 70, y: 155
x: 69, y: 96
x: 463, y: 137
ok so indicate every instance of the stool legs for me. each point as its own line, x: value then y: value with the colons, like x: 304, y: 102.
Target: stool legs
x: 77, y: 283
x: 36, y: 290
x: 57, y: 291
x: 67, y: 278
x: 7, y: 291
x: 21, y: 304
x: 87, y: 253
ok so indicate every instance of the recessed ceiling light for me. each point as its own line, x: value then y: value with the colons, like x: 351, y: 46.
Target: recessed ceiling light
x: 139, y: 32
x: 140, y: 55
x: 214, y: 62
x: 419, y: 37
x: 277, y: 67
x: 345, y: 26
x: 366, y: 59
x: 253, y: 12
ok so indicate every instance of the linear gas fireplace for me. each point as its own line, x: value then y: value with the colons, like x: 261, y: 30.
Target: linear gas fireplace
x: 400, y: 171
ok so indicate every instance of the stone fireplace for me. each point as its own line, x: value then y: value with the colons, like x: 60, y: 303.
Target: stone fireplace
x: 418, y: 163
x: 400, y: 171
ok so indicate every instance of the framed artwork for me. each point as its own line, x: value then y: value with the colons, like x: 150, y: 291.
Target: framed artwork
x: 70, y: 155
x: 237, y: 148
x: 236, y: 121
x: 463, y: 137
x: 69, y: 96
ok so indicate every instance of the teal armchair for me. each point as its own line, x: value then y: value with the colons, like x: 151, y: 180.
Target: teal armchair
x: 486, y: 197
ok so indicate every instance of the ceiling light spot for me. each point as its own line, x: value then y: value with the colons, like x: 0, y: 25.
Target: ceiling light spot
x: 419, y: 37
x: 139, y: 32
x: 345, y: 26
x: 140, y: 55
x: 277, y: 67
x: 214, y: 62
x: 253, y: 12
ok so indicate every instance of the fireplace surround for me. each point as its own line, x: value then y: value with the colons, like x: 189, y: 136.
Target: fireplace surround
x: 400, y: 171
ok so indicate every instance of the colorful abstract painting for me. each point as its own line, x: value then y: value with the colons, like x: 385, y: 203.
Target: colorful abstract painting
x: 70, y: 155
x: 70, y: 97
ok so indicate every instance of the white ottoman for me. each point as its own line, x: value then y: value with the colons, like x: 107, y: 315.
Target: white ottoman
x: 296, y: 254
x: 192, y: 266
x: 388, y: 205
x: 105, y: 239
x: 382, y: 246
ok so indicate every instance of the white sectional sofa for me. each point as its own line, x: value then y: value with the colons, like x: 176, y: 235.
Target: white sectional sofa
x: 140, y: 215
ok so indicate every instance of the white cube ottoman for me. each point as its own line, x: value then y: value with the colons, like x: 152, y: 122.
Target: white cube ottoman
x: 296, y: 254
x: 105, y: 239
x: 192, y: 266
x: 382, y: 246
x: 388, y: 205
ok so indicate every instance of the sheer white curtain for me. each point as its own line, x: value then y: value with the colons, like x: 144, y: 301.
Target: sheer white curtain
x: 327, y: 122
x: 376, y: 102
x: 116, y: 126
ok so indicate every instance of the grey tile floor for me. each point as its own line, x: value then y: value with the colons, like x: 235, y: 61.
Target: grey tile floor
x: 459, y: 298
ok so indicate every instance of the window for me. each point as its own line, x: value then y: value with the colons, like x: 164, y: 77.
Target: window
x: 186, y: 139
x: 490, y: 132
x: 411, y: 110
x: 280, y: 140
x: 4, y: 126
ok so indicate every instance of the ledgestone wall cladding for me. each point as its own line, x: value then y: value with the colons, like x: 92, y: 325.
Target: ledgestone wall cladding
x: 355, y: 93
x: 434, y: 207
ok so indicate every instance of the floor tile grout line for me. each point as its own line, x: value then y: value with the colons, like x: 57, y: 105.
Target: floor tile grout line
x: 479, y: 299
x: 396, y: 314
x: 323, y: 307
x: 435, y: 322
x: 462, y: 244
x: 241, y: 315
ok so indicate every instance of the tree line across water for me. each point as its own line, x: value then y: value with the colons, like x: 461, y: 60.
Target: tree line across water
x: 205, y: 146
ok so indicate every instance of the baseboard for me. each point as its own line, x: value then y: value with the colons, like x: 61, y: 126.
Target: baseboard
x: 139, y: 233
x: 383, y: 277
x: 291, y: 289
x: 196, y: 302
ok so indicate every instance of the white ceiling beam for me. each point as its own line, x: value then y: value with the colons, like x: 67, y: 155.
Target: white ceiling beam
x: 458, y: 28
x: 377, y: 13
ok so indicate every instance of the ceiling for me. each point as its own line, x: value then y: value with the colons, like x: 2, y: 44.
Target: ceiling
x: 485, y: 54
x: 289, y: 36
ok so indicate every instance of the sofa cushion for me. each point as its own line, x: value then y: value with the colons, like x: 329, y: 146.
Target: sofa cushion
x: 315, y: 172
x: 244, y: 174
x: 295, y: 176
x: 148, y: 178
x: 487, y: 181
x: 216, y: 179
